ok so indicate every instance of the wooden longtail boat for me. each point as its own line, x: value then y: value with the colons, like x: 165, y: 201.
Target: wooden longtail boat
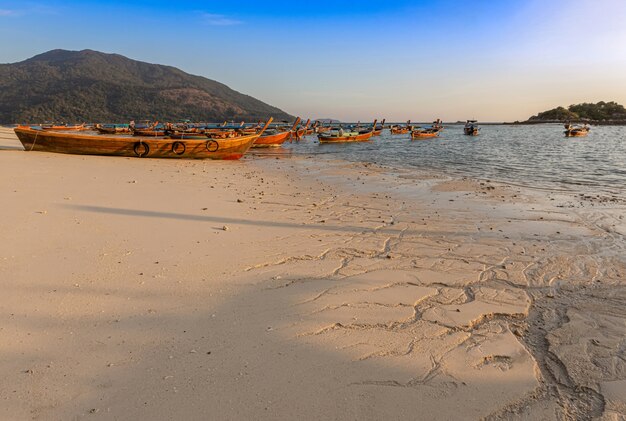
x: 438, y: 124
x: 377, y: 131
x: 39, y: 140
x: 576, y: 131
x: 310, y: 130
x: 471, y: 128
x: 64, y: 127
x: 300, y: 133
x: 340, y: 136
x: 275, y: 139
x: 419, y: 133
x: 400, y: 129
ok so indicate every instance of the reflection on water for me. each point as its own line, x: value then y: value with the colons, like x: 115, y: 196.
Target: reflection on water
x: 537, y: 156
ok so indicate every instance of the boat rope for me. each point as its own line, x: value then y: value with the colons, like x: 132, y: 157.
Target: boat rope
x: 34, y: 141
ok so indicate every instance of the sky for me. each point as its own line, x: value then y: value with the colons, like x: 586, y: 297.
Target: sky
x: 497, y: 60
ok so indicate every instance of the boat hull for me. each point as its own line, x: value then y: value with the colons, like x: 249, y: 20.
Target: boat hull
x: 363, y: 137
x: 426, y: 135
x: 129, y: 146
x: 399, y: 131
x: 274, y: 140
x: 576, y: 133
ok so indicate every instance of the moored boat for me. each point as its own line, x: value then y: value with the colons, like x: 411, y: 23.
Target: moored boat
x: 298, y: 134
x: 471, y: 128
x: 401, y: 129
x: 576, y: 131
x: 378, y: 131
x: 275, y: 138
x: 427, y: 133
x: 69, y: 143
x: 341, y: 136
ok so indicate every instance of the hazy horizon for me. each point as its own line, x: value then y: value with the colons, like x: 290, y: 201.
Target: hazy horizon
x: 356, y: 61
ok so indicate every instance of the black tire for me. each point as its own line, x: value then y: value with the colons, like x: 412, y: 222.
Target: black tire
x: 212, y: 146
x: 176, y: 148
x: 141, y: 149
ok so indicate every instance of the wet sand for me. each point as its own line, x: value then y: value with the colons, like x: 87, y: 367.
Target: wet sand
x: 296, y: 289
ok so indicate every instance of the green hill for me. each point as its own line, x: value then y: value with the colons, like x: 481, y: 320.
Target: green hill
x: 600, y: 112
x: 77, y: 86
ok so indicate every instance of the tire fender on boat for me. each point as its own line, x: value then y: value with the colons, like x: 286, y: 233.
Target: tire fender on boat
x: 212, y: 145
x: 179, y: 148
x: 141, y: 149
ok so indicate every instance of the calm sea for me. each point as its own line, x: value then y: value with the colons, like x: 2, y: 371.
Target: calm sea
x: 537, y: 156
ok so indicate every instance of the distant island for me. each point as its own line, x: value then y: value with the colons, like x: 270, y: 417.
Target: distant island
x: 90, y: 86
x: 600, y: 113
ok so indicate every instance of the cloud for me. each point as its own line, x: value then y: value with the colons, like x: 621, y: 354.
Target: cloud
x: 219, y: 20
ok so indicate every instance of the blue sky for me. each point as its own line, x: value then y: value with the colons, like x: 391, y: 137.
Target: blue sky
x: 356, y: 60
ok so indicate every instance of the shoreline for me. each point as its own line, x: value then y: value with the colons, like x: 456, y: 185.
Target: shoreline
x: 285, y: 287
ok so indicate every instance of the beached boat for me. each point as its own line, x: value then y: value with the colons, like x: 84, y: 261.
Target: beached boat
x: 576, y: 131
x: 341, y: 136
x: 427, y: 133
x: 151, y: 147
x: 401, y: 129
x: 275, y: 138
x: 64, y: 127
x: 471, y: 128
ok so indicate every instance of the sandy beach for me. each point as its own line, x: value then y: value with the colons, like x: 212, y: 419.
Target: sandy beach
x: 285, y: 287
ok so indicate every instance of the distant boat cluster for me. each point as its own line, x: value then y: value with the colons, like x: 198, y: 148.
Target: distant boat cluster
x: 213, y: 140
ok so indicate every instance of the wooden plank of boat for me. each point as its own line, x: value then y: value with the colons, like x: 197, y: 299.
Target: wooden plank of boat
x: 277, y: 139
x: 39, y: 140
x: 350, y: 137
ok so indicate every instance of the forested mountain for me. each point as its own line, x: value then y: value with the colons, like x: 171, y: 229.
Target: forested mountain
x: 89, y: 86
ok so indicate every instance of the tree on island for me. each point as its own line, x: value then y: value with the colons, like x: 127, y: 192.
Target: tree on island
x: 602, y: 111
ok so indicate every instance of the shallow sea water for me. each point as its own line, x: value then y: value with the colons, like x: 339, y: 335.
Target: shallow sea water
x: 537, y: 156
